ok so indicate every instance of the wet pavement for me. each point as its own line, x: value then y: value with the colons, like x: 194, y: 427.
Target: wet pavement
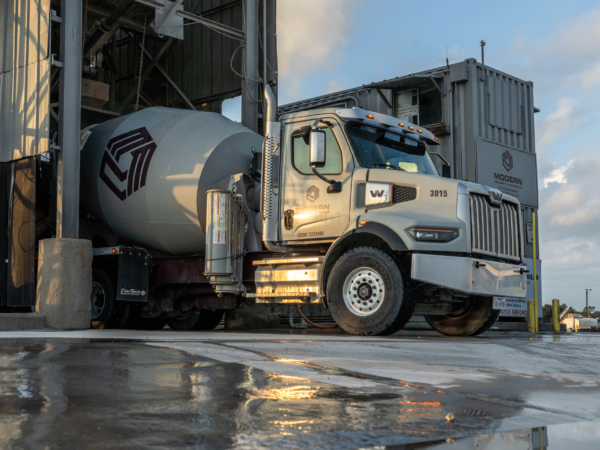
x: 296, y: 389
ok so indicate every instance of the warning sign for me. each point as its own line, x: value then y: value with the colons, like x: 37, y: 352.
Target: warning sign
x: 219, y: 219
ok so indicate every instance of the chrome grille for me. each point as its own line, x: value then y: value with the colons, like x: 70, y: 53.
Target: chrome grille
x: 495, y: 230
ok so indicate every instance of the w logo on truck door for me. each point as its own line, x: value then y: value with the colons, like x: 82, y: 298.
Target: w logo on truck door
x: 141, y: 146
x: 377, y: 193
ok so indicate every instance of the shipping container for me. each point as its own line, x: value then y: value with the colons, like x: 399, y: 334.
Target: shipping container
x: 483, y: 118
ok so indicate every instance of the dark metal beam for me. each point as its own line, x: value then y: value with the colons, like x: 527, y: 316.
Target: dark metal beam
x: 153, y: 62
x: 106, y: 26
x: 167, y: 77
x: 123, y: 20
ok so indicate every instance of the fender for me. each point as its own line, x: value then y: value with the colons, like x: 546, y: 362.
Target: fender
x: 372, y: 233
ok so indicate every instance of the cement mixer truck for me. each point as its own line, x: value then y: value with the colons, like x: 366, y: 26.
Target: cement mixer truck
x: 192, y: 214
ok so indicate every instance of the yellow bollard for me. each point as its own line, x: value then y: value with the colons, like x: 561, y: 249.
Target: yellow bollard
x: 555, y: 314
x: 532, y: 318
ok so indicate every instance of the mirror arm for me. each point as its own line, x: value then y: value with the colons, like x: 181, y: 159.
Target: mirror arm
x: 334, y: 186
x: 326, y: 180
x: 318, y: 121
x: 440, y: 156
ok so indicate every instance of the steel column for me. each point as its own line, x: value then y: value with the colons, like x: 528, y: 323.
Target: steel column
x: 250, y: 85
x: 67, y: 202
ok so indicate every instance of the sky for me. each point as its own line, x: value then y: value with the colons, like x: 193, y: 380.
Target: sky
x: 329, y: 45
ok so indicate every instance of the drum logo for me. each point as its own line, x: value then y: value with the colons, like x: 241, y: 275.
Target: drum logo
x: 139, y: 144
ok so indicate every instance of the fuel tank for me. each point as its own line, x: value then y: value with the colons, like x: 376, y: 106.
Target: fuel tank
x: 146, y: 174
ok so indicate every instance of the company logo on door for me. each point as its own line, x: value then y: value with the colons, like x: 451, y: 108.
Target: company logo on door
x: 141, y: 146
x: 312, y: 194
x: 507, y: 160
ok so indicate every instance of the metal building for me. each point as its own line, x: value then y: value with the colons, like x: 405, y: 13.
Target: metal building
x: 68, y: 64
x: 482, y: 117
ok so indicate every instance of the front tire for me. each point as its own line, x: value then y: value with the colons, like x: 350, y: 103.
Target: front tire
x: 203, y: 320
x: 368, y: 294
x: 472, y: 317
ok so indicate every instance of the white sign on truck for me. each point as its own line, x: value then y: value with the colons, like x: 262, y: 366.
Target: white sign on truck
x: 517, y: 307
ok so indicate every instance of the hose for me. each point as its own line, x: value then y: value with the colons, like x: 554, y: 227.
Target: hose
x: 313, y: 324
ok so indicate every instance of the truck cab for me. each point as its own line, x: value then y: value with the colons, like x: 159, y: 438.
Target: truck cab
x: 398, y: 239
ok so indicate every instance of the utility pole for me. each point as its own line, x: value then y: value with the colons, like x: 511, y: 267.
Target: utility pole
x: 587, y: 306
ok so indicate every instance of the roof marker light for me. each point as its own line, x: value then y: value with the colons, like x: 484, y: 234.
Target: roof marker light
x: 369, y: 116
x: 401, y: 125
x: 420, y: 131
x: 411, y: 128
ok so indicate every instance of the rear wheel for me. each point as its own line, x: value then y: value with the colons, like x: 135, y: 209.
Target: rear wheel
x: 184, y: 322
x: 198, y: 320
x: 209, y: 320
x: 107, y: 312
x: 368, y: 294
x: 472, y: 317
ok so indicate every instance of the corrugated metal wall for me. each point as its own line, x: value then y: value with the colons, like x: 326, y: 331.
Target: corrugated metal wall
x: 504, y: 108
x: 200, y: 65
x: 24, y: 78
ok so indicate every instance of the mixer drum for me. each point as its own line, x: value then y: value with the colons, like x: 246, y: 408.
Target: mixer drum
x: 146, y: 174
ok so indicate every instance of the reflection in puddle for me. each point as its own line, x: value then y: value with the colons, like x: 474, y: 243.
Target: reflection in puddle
x: 137, y: 396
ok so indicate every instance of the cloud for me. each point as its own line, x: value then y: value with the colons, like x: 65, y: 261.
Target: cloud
x: 567, y: 60
x: 311, y: 37
x: 591, y: 77
x: 569, y: 218
x: 334, y: 86
x: 567, y: 116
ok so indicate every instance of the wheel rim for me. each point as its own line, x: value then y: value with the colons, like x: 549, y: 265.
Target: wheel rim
x: 364, y: 291
x: 98, y: 300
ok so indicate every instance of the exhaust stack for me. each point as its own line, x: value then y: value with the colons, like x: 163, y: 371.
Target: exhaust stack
x: 270, y: 175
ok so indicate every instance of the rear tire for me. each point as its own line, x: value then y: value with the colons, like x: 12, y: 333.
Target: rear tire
x: 107, y: 312
x: 472, y: 317
x: 368, y: 294
x: 154, y: 324
x: 209, y: 320
x: 185, y: 322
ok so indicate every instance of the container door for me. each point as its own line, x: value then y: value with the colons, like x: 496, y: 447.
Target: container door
x: 308, y: 211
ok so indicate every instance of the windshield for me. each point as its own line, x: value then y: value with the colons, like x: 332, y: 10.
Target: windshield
x: 378, y: 148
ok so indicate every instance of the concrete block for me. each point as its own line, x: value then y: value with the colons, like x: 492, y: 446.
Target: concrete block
x: 64, y: 283
x: 255, y: 317
x: 22, y: 321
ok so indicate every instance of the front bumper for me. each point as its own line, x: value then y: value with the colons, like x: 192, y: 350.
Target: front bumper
x: 463, y: 275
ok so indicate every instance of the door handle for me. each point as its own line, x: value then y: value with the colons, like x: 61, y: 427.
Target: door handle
x: 288, y: 219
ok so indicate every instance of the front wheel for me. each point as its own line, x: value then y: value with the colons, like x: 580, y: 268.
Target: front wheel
x: 368, y: 294
x: 203, y: 320
x: 472, y: 317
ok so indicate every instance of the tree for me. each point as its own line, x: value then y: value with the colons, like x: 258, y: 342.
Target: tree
x: 547, y: 309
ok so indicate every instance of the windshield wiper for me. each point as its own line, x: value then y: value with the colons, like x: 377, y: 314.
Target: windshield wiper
x: 388, y: 166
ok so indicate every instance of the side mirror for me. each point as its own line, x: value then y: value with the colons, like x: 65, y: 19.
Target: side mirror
x: 317, y: 148
x: 446, y: 170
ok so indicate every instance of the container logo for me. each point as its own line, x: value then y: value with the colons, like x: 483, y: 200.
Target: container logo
x: 312, y: 194
x: 141, y: 146
x: 507, y: 160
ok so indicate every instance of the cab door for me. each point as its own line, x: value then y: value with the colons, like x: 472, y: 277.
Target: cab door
x: 308, y: 211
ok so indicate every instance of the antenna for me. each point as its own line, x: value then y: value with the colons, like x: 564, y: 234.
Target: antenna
x: 482, y: 43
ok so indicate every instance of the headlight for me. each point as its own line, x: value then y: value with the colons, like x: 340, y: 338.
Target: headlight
x: 431, y: 234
